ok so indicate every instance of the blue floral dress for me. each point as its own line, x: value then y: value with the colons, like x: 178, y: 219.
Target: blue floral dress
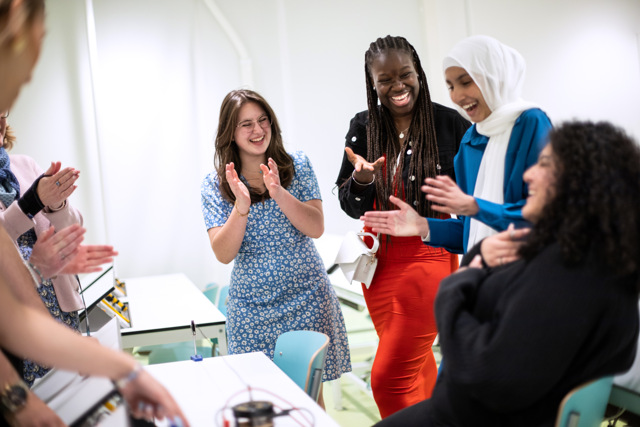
x: 278, y: 281
x: 31, y: 370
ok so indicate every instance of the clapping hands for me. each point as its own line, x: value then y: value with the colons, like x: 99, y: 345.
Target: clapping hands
x: 243, y: 198
x: 271, y: 178
x: 57, y: 185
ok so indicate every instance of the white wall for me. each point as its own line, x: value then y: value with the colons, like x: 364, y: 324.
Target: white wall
x: 163, y: 67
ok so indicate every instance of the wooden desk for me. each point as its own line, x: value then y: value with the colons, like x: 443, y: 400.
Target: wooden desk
x: 204, y: 389
x: 161, y: 309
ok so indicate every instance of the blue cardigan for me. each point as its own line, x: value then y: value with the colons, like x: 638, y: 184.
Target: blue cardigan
x: 528, y: 138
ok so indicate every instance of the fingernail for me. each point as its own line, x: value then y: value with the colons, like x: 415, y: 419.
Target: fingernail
x: 176, y: 421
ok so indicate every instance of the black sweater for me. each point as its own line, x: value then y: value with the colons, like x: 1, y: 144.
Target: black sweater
x: 518, y: 338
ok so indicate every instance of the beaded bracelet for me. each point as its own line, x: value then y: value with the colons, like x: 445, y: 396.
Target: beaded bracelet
x: 235, y: 205
x: 34, y: 269
x: 360, y: 183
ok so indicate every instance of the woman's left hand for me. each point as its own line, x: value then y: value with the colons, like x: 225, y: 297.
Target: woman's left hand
x: 271, y: 178
x: 502, y: 248
x: 57, y: 185
x: 89, y: 259
x: 52, y: 251
x: 448, y: 197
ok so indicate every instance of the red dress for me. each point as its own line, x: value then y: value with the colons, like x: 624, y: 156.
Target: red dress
x: 400, y: 302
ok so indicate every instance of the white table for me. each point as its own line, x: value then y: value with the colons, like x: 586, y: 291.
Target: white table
x: 204, y: 389
x: 161, y: 309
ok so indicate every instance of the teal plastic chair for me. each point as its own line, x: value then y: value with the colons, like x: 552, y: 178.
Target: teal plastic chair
x: 222, y: 300
x: 584, y: 406
x: 211, y: 292
x: 301, y: 355
x: 218, y: 296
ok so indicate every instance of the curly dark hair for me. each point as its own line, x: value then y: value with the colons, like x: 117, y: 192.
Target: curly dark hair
x: 227, y: 149
x: 595, y: 205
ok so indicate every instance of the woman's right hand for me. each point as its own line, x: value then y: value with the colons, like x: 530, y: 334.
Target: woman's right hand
x: 148, y: 399
x: 243, y: 198
x: 363, y: 170
x: 57, y: 185
x: 404, y: 221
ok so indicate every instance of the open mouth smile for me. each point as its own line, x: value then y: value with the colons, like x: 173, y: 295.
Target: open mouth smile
x: 401, y: 100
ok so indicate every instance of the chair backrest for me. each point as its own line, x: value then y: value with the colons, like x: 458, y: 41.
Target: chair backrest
x: 584, y: 406
x: 211, y: 292
x: 222, y: 299
x: 301, y: 355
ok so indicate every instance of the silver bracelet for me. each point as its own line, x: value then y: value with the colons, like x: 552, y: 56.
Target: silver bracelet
x: 360, y: 183
x: 122, y: 382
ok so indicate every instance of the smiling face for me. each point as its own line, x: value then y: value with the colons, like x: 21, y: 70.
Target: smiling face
x: 541, y: 179
x: 396, y: 81
x: 253, y: 132
x: 465, y: 93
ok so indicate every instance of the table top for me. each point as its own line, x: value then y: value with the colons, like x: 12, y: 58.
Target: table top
x: 204, y: 389
x: 167, y: 302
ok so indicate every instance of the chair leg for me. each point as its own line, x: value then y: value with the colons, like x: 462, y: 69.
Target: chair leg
x: 336, y: 392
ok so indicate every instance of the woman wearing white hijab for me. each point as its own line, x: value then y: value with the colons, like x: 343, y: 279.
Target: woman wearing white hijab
x: 485, y: 80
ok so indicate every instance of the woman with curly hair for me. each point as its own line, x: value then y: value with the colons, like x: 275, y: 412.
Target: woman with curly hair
x: 519, y: 336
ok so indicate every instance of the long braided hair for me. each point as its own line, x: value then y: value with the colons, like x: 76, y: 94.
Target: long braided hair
x: 382, y: 134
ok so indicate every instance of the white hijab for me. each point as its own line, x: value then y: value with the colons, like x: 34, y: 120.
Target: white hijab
x: 499, y: 72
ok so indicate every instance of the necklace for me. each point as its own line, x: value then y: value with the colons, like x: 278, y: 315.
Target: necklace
x: 401, y: 136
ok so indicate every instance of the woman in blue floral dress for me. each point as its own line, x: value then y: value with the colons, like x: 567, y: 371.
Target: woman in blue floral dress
x: 261, y: 207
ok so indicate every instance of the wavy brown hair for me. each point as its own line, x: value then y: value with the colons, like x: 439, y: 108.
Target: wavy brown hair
x: 9, y: 138
x: 227, y: 149
x: 595, y: 206
x: 382, y: 133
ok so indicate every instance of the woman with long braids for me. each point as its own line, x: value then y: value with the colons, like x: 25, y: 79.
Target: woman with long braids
x: 390, y: 149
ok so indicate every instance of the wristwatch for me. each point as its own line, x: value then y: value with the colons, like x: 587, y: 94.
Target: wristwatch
x: 14, y: 397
